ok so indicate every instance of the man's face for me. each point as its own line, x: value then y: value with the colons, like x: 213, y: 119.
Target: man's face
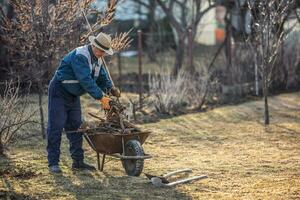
x: 97, y: 52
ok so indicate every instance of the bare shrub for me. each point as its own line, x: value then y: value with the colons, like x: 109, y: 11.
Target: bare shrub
x: 171, y: 94
x: 199, y: 86
x: 15, y: 113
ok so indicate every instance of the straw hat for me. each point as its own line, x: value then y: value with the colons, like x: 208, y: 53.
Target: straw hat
x: 102, y: 41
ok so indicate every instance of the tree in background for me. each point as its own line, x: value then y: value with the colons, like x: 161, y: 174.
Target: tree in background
x: 151, y: 7
x: 239, y: 18
x: 184, y: 15
x: 41, y: 32
x: 267, y: 39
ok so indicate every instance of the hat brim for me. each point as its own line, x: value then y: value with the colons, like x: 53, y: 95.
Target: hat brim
x: 92, y: 40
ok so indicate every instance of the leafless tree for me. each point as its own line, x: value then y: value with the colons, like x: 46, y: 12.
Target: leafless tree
x: 184, y: 15
x: 40, y: 33
x: 151, y: 7
x: 267, y: 39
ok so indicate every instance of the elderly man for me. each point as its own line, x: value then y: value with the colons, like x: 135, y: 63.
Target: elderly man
x: 80, y: 71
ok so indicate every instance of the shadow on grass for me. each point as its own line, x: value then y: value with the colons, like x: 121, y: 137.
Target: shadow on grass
x: 252, y: 111
x: 288, y: 130
x: 98, y: 185
x: 9, y: 173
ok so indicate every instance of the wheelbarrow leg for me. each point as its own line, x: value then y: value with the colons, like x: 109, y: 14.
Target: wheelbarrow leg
x: 98, y: 161
x: 102, y: 163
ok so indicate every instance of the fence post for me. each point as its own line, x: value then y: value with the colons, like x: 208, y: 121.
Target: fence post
x: 140, y: 67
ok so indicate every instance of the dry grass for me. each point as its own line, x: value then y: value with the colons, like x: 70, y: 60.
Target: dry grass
x: 243, y: 158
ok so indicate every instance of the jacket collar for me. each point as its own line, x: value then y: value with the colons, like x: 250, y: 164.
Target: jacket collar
x: 94, y: 58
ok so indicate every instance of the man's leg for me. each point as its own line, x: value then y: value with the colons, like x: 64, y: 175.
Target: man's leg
x: 73, y: 123
x: 56, y: 122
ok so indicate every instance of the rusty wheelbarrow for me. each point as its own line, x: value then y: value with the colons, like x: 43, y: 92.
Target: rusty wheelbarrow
x: 126, y: 147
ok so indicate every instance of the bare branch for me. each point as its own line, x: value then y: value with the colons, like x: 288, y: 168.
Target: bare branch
x: 121, y: 41
x: 168, y: 12
x: 202, y: 13
x: 15, y: 113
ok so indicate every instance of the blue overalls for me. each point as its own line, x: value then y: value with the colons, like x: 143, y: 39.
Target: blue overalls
x: 79, y: 72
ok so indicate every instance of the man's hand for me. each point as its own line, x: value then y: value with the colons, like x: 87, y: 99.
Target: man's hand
x: 115, y: 92
x: 105, y: 102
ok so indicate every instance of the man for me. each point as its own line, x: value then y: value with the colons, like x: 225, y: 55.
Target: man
x: 80, y: 71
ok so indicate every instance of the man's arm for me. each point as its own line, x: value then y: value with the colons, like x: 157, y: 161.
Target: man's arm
x: 82, y: 72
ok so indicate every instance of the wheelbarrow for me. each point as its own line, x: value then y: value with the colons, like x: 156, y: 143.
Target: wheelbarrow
x: 126, y: 147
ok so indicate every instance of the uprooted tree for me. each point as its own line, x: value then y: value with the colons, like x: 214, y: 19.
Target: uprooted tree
x: 39, y: 33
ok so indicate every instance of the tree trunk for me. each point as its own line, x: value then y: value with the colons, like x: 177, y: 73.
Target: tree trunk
x: 1, y: 148
x: 267, y: 117
x: 179, y: 55
x: 229, y: 56
x: 42, y: 120
x: 256, y: 74
x: 190, y: 52
x: 152, y: 32
x: 265, y: 95
x: 46, y: 35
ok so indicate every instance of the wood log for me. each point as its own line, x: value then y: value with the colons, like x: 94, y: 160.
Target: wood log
x: 97, y: 117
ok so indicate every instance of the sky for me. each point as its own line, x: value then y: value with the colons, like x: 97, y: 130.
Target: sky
x: 125, y: 10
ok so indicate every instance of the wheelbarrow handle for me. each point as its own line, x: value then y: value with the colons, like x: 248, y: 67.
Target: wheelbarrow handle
x: 177, y: 172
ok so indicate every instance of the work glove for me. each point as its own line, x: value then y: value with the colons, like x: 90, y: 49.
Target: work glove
x: 115, y: 92
x: 105, y: 102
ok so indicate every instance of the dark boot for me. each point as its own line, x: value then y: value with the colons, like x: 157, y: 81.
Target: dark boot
x: 80, y: 165
x: 55, y: 169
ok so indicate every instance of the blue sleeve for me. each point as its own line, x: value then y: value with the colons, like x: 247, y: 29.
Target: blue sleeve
x: 103, y: 80
x: 82, y: 72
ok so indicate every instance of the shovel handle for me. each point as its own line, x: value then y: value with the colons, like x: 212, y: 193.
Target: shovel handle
x: 177, y: 172
x: 186, y: 180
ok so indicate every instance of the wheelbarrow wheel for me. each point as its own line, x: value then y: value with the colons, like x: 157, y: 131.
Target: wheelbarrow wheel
x: 133, y: 167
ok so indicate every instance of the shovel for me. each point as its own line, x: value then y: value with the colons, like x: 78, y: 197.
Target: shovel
x: 161, y: 181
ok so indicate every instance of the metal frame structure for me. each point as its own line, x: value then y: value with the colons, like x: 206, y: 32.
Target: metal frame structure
x: 119, y: 155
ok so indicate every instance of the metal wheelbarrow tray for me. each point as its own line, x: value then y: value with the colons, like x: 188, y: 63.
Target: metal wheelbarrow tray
x: 127, y: 147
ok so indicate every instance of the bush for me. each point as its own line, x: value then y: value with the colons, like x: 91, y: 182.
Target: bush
x: 15, y: 114
x: 172, y: 95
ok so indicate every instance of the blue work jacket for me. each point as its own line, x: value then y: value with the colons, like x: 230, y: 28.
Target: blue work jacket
x: 80, y: 72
